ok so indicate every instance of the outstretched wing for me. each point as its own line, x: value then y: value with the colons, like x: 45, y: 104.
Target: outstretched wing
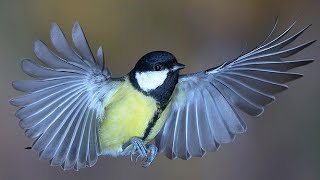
x: 62, y: 107
x: 204, y: 109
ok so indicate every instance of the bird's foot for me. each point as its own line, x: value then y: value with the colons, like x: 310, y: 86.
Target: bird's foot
x: 153, y: 151
x: 147, y: 152
x: 138, y: 146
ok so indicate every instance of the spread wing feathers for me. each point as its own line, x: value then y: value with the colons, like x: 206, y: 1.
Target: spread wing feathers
x: 63, y: 106
x: 204, y: 109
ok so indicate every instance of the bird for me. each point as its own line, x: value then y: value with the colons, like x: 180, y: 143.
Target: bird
x: 76, y: 111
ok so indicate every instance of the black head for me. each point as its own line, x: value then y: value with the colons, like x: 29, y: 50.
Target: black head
x: 157, y: 61
x: 156, y: 75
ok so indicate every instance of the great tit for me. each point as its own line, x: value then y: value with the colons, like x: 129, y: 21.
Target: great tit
x: 76, y: 111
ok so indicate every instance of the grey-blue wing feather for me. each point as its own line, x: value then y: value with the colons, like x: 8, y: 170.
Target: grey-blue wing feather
x: 63, y: 105
x: 61, y: 44
x: 204, y: 111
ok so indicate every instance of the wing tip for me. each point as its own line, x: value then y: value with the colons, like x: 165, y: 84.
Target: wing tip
x: 15, y: 84
x: 296, y: 76
x: 76, y: 28
x: 55, y: 32
x: 54, y: 163
x: 308, y: 26
x: 306, y: 62
x: 37, y: 44
x: 259, y: 113
x: 25, y: 65
x: 100, y: 50
x: 170, y: 154
x: 305, y: 45
x: 13, y: 102
x: 24, y: 62
x: 54, y: 28
x: 310, y: 42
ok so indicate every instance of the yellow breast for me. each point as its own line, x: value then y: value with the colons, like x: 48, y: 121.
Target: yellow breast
x: 127, y: 115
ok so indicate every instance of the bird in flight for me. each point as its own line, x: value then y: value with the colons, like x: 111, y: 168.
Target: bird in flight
x: 76, y: 111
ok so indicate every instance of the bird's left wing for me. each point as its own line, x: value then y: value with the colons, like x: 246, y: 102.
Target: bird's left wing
x: 63, y: 106
x: 204, y: 110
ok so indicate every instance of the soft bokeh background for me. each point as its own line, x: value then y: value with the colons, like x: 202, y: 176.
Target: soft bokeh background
x: 284, y: 143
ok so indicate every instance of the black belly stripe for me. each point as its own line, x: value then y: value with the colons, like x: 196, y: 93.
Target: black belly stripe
x: 153, y: 122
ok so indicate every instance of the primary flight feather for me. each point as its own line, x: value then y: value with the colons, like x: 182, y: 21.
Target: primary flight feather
x: 76, y: 111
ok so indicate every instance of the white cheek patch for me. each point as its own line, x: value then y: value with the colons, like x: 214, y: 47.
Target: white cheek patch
x: 151, y: 79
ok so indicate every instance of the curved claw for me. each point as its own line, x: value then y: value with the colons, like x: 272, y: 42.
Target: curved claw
x: 138, y: 157
x: 149, y: 152
x: 137, y: 146
x: 153, y: 150
x: 131, y: 155
x: 146, y: 164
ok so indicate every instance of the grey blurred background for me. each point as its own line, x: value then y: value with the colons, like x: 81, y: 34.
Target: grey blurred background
x: 282, y: 144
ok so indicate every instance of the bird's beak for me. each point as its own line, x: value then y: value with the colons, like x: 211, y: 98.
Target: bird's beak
x: 178, y: 66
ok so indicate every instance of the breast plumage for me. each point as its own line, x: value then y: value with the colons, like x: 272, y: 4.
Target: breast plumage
x: 127, y: 115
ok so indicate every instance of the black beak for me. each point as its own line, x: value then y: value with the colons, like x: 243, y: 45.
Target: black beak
x: 178, y: 66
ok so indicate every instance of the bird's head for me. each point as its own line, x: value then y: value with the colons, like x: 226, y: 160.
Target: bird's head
x: 154, y: 68
x: 156, y: 72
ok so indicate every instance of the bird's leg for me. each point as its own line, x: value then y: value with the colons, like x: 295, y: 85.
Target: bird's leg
x: 149, y: 151
x: 138, y: 146
x: 153, y: 151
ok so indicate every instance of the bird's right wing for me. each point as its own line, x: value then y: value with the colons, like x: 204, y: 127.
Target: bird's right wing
x: 62, y: 107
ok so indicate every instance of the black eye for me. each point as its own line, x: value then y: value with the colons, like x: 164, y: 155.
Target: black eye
x: 157, y: 67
